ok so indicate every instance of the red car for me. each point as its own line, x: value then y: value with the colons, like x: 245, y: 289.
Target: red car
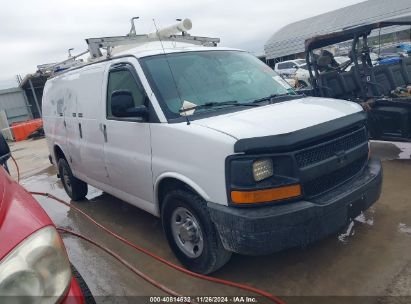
x: 34, y: 266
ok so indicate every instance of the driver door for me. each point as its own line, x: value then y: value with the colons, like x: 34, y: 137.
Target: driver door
x: 127, y: 143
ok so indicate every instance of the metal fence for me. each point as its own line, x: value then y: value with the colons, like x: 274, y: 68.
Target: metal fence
x: 14, y: 102
x: 5, y: 127
x: 17, y: 114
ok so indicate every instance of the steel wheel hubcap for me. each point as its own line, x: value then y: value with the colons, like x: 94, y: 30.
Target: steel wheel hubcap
x: 187, y: 232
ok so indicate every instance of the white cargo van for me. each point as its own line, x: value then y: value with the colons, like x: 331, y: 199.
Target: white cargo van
x: 214, y: 142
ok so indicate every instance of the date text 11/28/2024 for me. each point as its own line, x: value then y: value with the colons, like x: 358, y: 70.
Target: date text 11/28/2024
x: 204, y: 299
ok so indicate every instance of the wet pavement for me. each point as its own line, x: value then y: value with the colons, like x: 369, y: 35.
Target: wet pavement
x: 370, y: 257
x: 31, y: 155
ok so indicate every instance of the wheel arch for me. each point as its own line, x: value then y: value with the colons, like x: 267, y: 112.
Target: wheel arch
x: 58, y: 153
x: 171, y: 180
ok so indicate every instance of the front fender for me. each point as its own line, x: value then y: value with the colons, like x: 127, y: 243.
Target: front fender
x: 182, y: 178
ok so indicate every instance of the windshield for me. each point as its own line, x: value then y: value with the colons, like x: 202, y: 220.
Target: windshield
x: 215, y: 77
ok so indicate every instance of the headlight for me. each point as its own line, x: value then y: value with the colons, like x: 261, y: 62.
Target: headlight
x: 38, y: 268
x: 262, y: 169
x: 261, y: 178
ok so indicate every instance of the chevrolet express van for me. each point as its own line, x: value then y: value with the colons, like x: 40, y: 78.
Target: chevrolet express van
x: 213, y: 142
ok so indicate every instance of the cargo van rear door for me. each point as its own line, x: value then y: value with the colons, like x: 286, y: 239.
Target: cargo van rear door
x: 88, y: 126
x: 68, y: 113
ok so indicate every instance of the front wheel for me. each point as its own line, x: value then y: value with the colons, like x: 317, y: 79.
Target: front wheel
x: 191, y: 233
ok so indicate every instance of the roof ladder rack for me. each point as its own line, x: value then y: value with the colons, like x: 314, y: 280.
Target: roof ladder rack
x: 165, y: 34
x: 95, y: 45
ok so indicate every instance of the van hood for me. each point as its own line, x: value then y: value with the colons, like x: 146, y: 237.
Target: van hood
x: 280, y: 118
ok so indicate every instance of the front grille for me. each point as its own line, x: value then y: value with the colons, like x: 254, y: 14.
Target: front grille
x: 328, y: 149
x: 330, y: 180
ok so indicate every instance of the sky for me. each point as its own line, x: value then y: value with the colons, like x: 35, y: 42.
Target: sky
x: 34, y: 32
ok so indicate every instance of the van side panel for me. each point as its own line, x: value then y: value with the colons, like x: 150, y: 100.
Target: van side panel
x: 54, y: 104
x: 72, y: 111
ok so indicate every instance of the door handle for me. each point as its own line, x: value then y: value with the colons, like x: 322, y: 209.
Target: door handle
x: 80, y: 131
x: 105, y: 132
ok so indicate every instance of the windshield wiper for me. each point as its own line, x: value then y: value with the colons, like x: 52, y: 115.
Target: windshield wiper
x: 212, y: 104
x: 271, y: 98
x: 267, y: 98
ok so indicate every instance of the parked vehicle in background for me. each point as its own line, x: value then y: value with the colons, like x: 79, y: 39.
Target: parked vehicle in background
x: 298, y: 81
x: 384, y: 90
x: 341, y: 59
x: 294, y: 72
x: 34, y: 267
x: 289, y: 67
x: 302, y: 77
x: 405, y: 47
x: 389, y: 59
x: 213, y: 142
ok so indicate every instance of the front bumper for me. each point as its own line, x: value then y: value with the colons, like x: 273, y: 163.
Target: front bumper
x: 267, y: 229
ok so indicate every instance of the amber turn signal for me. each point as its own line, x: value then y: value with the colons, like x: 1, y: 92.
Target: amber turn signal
x: 268, y: 195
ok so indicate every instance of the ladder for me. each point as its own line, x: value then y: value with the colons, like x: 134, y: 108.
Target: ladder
x: 96, y: 45
x: 166, y: 34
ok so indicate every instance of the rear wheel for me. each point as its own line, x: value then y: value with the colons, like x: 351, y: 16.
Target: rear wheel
x: 75, y: 188
x: 191, y: 233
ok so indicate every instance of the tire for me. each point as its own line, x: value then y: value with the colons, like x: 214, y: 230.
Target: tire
x: 183, y: 211
x: 75, y: 188
x: 88, y: 297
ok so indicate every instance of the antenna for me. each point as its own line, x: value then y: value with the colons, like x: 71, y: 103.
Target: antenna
x: 171, y: 71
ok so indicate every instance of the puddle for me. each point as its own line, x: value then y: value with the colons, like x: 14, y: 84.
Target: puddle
x: 391, y: 150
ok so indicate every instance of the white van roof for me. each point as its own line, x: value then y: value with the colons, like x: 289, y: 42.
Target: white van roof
x: 157, y: 47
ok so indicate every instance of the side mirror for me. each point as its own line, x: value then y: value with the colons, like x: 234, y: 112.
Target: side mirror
x: 295, y: 67
x: 122, y: 105
x: 4, y: 150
